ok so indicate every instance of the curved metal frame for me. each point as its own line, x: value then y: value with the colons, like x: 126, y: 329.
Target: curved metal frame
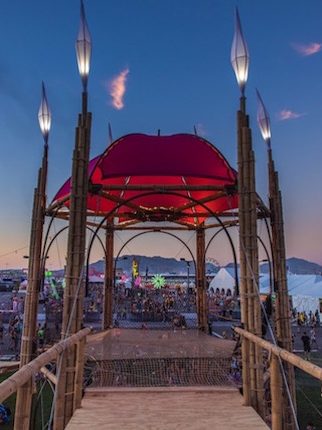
x: 189, y: 198
x: 47, y: 248
x: 156, y: 231
x: 234, y: 255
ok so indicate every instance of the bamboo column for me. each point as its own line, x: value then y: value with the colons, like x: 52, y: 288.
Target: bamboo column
x: 109, y: 278
x: 276, y: 393
x: 74, y: 276
x: 29, y: 338
x: 80, y: 360
x: 282, y: 311
x: 250, y: 304
x: 201, y: 280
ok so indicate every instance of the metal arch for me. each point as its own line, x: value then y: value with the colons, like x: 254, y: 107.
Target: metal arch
x: 235, y: 258
x: 154, y: 231
x: 233, y: 251
x: 48, y: 230
x: 65, y: 228
x: 269, y: 262
x: 118, y: 206
x: 46, y: 249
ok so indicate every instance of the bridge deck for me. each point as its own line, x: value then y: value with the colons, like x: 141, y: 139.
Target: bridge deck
x: 175, y: 408
x: 137, y: 343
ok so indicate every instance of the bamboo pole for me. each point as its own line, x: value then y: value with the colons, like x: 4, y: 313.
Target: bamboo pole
x: 109, y: 278
x: 282, y: 312
x: 74, y: 290
x: 80, y: 360
x: 251, y: 314
x: 50, y: 376
x: 246, y: 249
x: 28, y: 339
x: 242, y: 259
x: 201, y: 280
x: 285, y: 355
x: 276, y: 394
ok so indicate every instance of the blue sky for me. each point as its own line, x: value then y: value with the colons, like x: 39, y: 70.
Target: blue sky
x: 178, y: 56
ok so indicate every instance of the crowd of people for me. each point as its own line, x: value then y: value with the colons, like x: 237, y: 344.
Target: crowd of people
x: 221, y: 304
x: 311, y: 319
x: 149, y: 304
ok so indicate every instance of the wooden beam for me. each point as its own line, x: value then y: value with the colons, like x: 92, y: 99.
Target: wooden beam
x: 276, y: 393
x: 107, y: 321
x: 120, y: 200
x: 26, y: 372
x: 285, y: 355
x: 163, y: 189
x: 190, y: 204
x: 49, y: 375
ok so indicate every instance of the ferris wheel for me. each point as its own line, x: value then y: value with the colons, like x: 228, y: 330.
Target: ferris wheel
x: 212, y: 261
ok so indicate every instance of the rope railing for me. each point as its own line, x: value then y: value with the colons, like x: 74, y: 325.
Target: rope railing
x: 26, y: 372
x: 285, y: 355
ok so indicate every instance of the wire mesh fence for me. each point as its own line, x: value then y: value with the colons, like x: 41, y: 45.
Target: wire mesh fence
x: 144, y: 358
x: 157, y: 372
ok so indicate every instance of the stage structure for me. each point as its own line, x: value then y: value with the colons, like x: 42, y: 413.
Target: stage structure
x: 179, y: 182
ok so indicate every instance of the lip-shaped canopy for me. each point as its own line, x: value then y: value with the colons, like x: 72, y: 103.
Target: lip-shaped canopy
x: 181, y: 178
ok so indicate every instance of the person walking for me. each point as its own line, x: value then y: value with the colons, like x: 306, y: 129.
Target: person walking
x: 306, y: 346
x: 313, y: 338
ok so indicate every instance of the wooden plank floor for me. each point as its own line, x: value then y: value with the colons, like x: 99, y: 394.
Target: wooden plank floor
x: 177, y: 408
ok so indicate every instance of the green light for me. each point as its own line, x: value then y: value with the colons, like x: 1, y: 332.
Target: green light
x: 158, y: 281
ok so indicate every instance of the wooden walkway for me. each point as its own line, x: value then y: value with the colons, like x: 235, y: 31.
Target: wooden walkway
x: 115, y: 344
x: 175, y: 408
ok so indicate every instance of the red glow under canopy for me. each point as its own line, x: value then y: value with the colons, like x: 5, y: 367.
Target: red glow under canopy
x: 140, y: 160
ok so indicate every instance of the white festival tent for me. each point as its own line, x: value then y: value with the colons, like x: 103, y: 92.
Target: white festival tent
x: 224, y: 279
x: 305, y: 290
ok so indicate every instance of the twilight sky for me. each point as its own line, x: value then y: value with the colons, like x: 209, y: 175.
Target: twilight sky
x: 161, y: 65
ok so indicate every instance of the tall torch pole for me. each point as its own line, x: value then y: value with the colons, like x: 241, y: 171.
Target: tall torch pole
x: 250, y: 305
x: 282, y: 309
x: 66, y: 398
x: 28, y: 349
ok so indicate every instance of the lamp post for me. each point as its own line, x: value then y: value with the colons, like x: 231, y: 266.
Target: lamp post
x: 68, y: 395
x: 35, y: 272
x: 282, y: 312
x: 83, y: 54
x: 240, y: 56
x: 188, y: 272
x: 253, y: 388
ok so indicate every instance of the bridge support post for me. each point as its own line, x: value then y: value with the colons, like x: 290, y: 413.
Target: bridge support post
x: 276, y: 393
x: 109, y: 278
x: 80, y: 361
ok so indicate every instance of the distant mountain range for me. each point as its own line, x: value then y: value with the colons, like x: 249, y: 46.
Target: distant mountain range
x: 171, y: 265
x: 153, y: 265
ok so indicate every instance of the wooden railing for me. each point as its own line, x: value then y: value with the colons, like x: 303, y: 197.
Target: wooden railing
x: 27, y: 372
x: 276, y: 381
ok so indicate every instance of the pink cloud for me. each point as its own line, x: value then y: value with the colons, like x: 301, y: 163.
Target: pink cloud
x: 288, y: 114
x: 117, y: 88
x: 310, y: 49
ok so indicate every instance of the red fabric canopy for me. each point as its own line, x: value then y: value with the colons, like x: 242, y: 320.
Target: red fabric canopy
x: 139, y: 159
